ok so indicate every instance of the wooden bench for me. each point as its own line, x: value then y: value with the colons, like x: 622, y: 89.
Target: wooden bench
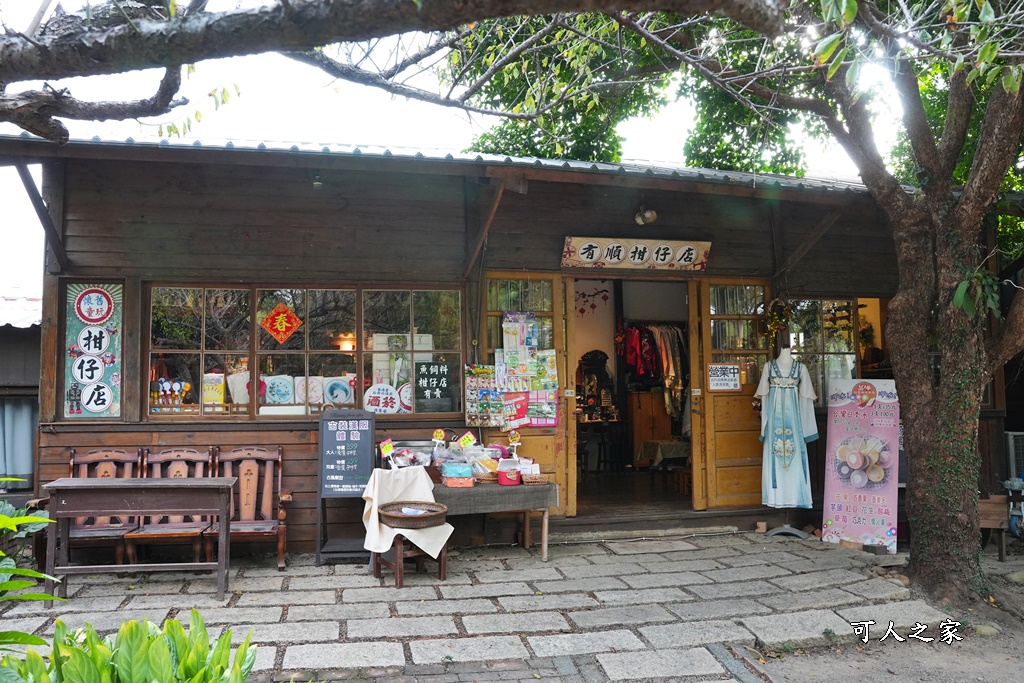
x: 994, y: 515
x: 173, y: 463
x: 257, y: 501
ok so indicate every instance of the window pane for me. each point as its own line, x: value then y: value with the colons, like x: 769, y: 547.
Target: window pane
x: 177, y: 318
x: 390, y: 389
x: 519, y: 295
x: 276, y: 392
x: 227, y: 320
x: 332, y: 379
x: 838, y: 324
x: 283, y: 322
x: 174, y: 383
x: 838, y: 366
x: 437, y: 385
x: 805, y: 326
x: 438, y: 313
x: 737, y: 334
x: 332, y: 320
x: 737, y: 300
x: 814, y: 369
x: 385, y: 312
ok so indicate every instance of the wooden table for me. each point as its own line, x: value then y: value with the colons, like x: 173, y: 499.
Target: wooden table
x: 485, y: 498
x: 71, y: 497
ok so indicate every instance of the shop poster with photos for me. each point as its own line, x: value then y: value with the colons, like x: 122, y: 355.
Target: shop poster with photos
x: 92, y: 367
x: 862, y: 463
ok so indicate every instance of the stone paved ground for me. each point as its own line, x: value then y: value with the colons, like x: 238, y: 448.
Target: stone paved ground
x: 615, y: 611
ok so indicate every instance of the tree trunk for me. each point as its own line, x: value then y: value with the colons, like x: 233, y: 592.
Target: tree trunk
x: 940, y: 416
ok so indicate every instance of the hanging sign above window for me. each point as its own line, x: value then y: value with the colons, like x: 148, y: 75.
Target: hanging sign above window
x: 281, y: 323
x: 634, y: 254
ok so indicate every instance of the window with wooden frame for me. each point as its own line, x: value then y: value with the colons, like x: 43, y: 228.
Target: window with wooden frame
x: 824, y: 336
x: 255, y: 352
x: 737, y: 328
x: 517, y: 294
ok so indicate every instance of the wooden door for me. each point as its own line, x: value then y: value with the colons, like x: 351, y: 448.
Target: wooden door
x: 732, y: 317
x: 544, y: 295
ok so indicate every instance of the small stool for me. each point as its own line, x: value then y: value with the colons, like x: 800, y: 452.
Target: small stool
x: 406, y: 550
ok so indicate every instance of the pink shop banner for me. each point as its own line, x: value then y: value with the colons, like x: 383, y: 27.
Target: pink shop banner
x: 862, y: 463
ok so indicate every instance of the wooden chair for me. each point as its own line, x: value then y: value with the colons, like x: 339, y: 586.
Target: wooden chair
x: 100, y: 531
x: 173, y: 463
x: 403, y: 550
x: 257, y: 501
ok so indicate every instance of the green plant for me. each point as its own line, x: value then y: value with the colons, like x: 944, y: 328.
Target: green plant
x: 140, y: 653
x: 16, y: 526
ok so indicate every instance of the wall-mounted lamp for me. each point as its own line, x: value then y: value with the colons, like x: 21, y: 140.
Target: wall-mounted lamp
x: 317, y: 183
x: 645, y: 216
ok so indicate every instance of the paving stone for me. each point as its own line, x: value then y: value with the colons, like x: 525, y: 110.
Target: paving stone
x: 703, y: 553
x: 181, y: 602
x: 388, y: 594
x: 393, y: 627
x: 755, y: 572
x: 288, y: 598
x: 558, y: 562
x: 662, y: 567
x: 818, y: 580
x: 119, y: 588
x: 266, y: 657
x: 297, y: 583
x: 612, y: 558
x: 468, y: 649
x: 734, y: 590
x: 904, y: 615
x: 660, y: 580
x: 28, y: 624
x: 691, y: 633
x: 583, y: 643
x: 608, y: 569
x: 483, y: 565
x: 499, y: 575
x: 641, y: 547
x: 101, y: 604
x: 524, y: 622
x: 661, y: 664
x: 575, y: 550
x: 640, y: 596
x: 291, y: 570
x: 811, y: 599
x: 734, y: 540
x: 879, y: 589
x: 245, y: 584
x: 798, y: 629
x: 826, y: 561
x: 716, y: 609
x: 342, y: 656
x: 243, y: 615
x: 597, y: 583
x: 532, y: 603
x: 504, y: 552
x: 489, y: 590
x: 299, y: 632
x: 763, y: 557
x: 107, y: 622
x: 612, y: 616
x: 360, y: 610
x: 429, y: 578
x: 427, y: 607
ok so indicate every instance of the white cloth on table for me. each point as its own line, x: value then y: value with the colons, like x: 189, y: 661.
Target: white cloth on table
x: 388, y: 486
x: 787, y: 425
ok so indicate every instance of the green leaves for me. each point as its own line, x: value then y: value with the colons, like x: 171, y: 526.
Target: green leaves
x: 978, y: 293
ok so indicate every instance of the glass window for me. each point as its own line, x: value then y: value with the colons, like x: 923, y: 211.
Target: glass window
x: 737, y: 329
x: 822, y: 338
x: 307, y: 351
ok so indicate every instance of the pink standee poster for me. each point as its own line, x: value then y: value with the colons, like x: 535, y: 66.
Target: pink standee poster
x: 862, y: 463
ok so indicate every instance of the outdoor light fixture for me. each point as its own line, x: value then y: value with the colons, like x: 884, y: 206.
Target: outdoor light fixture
x: 317, y: 183
x: 645, y: 216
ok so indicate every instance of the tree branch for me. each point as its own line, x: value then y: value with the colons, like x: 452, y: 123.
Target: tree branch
x: 37, y: 110
x: 299, y: 25
x: 1005, y: 344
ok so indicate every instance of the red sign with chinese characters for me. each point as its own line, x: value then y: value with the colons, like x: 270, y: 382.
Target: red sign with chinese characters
x: 281, y: 323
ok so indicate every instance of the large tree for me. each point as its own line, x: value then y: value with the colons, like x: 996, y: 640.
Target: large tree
x: 547, y: 61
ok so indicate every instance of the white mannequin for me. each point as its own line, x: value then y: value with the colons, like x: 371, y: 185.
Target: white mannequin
x: 784, y: 361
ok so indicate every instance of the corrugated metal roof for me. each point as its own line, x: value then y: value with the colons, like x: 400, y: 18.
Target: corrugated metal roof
x: 20, y: 311
x: 634, y: 168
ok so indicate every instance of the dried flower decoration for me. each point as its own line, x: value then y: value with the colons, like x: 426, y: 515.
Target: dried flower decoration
x: 779, y: 311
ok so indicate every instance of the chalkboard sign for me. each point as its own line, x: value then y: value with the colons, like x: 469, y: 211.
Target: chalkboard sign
x: 346, y: 452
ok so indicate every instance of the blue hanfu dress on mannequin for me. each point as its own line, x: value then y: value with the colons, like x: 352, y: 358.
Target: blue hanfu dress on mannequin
x: 787, y: 425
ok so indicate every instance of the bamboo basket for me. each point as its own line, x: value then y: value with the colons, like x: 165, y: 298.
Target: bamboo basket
x: 534, y: 479
x: 391, y: 514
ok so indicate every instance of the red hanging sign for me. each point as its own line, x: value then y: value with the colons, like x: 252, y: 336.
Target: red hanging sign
x: 281, y: 323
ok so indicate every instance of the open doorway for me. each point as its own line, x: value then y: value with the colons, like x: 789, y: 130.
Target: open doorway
x: 633, y: 421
